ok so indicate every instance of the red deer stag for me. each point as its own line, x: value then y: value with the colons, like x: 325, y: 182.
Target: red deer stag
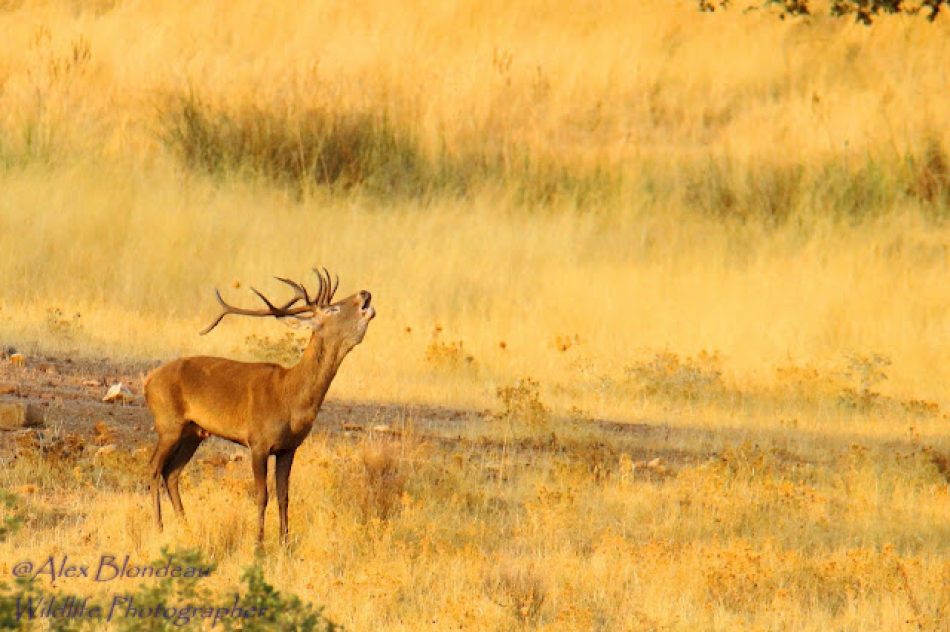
x: 265, y: 407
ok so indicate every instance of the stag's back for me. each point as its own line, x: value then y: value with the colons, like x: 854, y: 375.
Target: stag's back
x: 221, y: 396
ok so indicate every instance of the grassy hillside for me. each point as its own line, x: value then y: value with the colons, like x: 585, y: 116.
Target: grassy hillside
x: 726, y: 223
x: 513, y: 173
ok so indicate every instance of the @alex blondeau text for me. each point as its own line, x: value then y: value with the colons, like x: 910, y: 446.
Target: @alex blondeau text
x: 106, y: 568
x: 125, y: 607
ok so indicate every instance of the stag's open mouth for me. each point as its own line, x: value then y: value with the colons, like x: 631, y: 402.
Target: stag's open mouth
x: 368, y: 311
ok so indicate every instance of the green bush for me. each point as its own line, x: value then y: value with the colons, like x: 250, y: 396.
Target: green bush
x: 302, y: 148
x: 12, y: 517
x: 283, y: 612
x: 864, y: 11
x: 341, y: 150
x: 344, y: 150
x: 185, y: 594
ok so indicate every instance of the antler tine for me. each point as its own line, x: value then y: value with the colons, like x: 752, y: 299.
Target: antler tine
x: 301, y: 291
x: 228, y: 309
x: 217, y: 320
x: 320, y: 299
x: 331, y: 287
x: 272, y: 310
x: 270, y: 305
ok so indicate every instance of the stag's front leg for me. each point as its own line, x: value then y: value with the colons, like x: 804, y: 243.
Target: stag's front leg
x: 259, y: 464
x: 285, y: 461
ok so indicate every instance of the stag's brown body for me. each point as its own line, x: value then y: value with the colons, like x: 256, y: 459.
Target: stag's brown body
x: 266, y: 407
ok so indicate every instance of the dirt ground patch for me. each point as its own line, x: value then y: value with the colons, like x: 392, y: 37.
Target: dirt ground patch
x: 70, y: 393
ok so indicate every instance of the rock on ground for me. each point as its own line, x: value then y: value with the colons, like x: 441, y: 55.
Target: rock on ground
x: 15, y: 415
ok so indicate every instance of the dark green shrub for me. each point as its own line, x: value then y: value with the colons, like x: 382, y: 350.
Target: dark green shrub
x: 864, y: 11
x: 301, y: 148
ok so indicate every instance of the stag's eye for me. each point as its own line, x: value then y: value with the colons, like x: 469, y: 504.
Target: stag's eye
x: 332, y: 309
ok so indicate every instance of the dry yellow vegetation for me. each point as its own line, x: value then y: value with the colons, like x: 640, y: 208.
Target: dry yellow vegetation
x: 405, y: 534
x: 727, y: 225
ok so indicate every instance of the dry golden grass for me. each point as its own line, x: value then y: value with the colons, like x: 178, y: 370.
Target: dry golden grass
x: 729, y: 226
x: 777, y: 537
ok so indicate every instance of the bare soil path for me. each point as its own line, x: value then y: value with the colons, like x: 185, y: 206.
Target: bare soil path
x: 70, y: 393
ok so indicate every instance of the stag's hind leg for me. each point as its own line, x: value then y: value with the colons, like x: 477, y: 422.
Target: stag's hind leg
x: 184, y: 450
x: 166, y: 443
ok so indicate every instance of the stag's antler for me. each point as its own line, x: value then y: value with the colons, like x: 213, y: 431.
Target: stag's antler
x: 323, y: 298
x: 324, y: 293
x: 327, y: 290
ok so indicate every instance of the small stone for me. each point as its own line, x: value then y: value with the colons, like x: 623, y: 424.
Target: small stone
x: 118, y: 392
x: 104, y: 451
x: 654, y: 463
x: 382, y: 428
x: 15, y: 415
x: 91, y: 383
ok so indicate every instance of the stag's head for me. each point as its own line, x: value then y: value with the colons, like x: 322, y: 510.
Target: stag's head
x: 343, y: 322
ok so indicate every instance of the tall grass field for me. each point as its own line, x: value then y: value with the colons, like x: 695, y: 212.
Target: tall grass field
x: 726, y: 232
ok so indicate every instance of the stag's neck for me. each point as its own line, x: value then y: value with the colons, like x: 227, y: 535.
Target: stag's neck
x: 310, y: 379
